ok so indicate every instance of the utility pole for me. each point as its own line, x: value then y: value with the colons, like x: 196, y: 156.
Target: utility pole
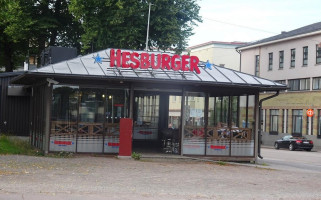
x: 149, y: 5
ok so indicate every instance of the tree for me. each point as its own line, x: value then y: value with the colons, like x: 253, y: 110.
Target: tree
x: 122, y: 24
x: 28, y: 27
x: 15, y: 23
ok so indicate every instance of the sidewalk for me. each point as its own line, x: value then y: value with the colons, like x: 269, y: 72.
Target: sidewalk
x: 87, y: 177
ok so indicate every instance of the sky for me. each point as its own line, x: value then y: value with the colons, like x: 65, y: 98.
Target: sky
x: 252, y: 20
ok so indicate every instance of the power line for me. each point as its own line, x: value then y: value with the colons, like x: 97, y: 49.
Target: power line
x: 242, y: 26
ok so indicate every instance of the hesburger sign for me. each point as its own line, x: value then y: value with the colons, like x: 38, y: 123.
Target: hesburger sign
x: 134, y: 60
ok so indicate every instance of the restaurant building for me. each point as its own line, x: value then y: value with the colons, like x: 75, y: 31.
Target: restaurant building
x: 77, y: 105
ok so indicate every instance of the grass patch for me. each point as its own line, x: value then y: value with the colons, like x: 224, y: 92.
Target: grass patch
x: 13, y: 145
x: 221, y: 163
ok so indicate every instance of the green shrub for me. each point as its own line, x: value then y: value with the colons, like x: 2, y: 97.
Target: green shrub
x: 136, y: 156
x: 221, y: 163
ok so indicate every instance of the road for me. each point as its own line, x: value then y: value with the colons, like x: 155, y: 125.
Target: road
x: 291, y: 160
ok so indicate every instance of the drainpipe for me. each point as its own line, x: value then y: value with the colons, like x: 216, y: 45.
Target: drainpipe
x: 238, y: 51
x: 260, y: 127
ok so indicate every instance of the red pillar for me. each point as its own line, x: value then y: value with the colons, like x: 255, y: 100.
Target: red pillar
x: 125, y: 137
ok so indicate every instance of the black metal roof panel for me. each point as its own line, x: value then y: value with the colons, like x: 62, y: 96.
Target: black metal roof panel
x: 86, y: 66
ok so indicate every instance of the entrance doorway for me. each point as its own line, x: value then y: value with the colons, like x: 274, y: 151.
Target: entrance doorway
x: 156, y: 122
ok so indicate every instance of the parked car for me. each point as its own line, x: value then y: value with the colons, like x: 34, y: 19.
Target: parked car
x: 293, y: 143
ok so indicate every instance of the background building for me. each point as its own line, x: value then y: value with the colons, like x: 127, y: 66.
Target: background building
x: 219, y: 53
x: 293, y: 58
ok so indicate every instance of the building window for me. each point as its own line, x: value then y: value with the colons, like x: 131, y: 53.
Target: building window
x: 297, y: 121
x: 299, y: 84
x: 316, y: 83
x: 257, y: 65
x: 292, y: 57
x: 281, y: 81
x: 281, y: 60
x: 270, y: 61
x: 274, y: 116
x: 305, y: 56
x: 318, y: 61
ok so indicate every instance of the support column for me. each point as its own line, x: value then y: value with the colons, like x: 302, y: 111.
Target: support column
x: 47, y: 112
x: 256, y: 127
x: 131, y: 102
x: 182, y: 120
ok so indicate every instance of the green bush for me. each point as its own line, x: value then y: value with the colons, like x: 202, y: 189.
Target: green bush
x: 136, y: 156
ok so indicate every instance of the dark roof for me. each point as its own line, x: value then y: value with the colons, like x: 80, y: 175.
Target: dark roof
x: 85, y: 67
x: 300, y: 31
x: 8, y: 74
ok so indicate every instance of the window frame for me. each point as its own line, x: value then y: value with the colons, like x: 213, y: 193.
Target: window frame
x: 305, y: 55
x: 292, y: 63
x: 270, y: 61
x: 257, y: 65
x: 294, y: 117
x: 274, y: 116
x: 299, y: 84
x: 281, y: 59
x: 318, y: 79
x: 318, y: 54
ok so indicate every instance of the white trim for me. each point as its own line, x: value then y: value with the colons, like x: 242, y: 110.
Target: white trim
x: 280, y: 40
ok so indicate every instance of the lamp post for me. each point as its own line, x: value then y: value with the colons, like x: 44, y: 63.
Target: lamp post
x: 149, y: 5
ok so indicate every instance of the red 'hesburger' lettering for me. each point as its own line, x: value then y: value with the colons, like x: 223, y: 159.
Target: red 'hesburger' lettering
x: 146, y: 60
x: 114, y: 57
x: 134, y: 59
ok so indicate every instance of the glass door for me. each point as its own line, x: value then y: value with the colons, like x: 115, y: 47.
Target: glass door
x: 146, y: 117
x: 194, y: 138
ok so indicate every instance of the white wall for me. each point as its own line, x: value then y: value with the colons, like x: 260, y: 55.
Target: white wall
x: 219, y: 54
x: 299, y: 71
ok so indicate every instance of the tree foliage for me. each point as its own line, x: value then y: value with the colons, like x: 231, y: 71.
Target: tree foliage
x: 29, y: 26
x: 123, y: 24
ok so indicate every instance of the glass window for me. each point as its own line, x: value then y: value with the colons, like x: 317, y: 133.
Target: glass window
x: 305, y: 56
x: 292, y: 57
x: 281, y: 59
x: 257, y: 65
x: 316, y: 83
x: 146, y: 116
x: 299, y: 84
x: 274, y: 116
x: 281, y: 81
x: 318, y: 53
x: 294, y: 85
x: 270, y: 61
x: 297, y: 121
x: 305, y: 84
x: 64, y: 109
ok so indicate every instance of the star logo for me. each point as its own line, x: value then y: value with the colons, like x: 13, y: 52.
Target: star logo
x: 97, y: 59
x: 208, y: 65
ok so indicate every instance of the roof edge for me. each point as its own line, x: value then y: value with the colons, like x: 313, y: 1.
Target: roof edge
x: 279, y: 40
